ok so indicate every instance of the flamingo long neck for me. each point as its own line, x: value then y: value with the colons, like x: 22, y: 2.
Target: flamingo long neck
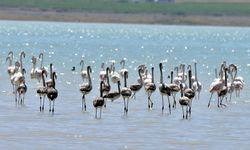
x: 41, y: 64
x: 195, y: 71
x: 152, y: 74
x: 107, y: 76
x: 161, y: 76
x: 216, y: 76
x: 139, y: 73
x: 50, y: 71
x: 225, y: 77
x: 123, y: 64
x: 82, y: 65
x: 181, y: 87
x: 34, y: 64
x: 177, y: 70
x: 101, y: 85
x: 125, y: 79
x: 189, y: 78
x: 43, y: 79
x: 171, y: 77
x: 88, y: 71
x: 21, y: 62
x: 183, y: 73
x: 10, y: 61
x: 53, y: 80
x: 119, y: 89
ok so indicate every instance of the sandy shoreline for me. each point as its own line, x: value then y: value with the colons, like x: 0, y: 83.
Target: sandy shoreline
x: 62, y: 16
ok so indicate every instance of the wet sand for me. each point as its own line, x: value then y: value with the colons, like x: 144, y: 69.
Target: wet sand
x: 64, y: 16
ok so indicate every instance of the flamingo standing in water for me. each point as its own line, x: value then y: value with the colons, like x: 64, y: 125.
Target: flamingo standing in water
x: 164, y: 90
x: 42, y: 91
x: 102, y: 74
x: 216, y: 86
x: 150, y: 88
x: 137, y: 86
x: 52, y: 93
x: 185, y: 102
x: 85, y: 88
x: 126, y: 93
x: 174, y: 88
x: 99, y: 101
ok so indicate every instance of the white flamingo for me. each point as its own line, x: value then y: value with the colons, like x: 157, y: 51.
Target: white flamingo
x: 216, y: 86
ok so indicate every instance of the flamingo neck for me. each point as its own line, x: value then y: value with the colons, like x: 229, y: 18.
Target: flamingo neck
x: 88, y: 71
x: 195, y: 71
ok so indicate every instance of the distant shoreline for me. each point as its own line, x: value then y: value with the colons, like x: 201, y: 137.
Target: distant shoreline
x: 142, y: 18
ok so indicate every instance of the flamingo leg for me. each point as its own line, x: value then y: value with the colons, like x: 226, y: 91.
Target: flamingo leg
x: 210, y: 100
x: 169, y: 105
x: 49, y: 105
x: 43, y: 103
x: 40, y: 103
x: 127, y: 105
x: 162, y: 101
x: 96, y: 112
x: 125, y: 109
x: 53, y: 106
x: 187, y: 112
x: 182, y: 112
x: 100, y: 112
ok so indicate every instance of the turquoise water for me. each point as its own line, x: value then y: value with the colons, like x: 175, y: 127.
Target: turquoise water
x: 64, y: 44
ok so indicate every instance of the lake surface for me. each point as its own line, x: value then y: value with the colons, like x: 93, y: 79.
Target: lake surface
x: 64, y: 44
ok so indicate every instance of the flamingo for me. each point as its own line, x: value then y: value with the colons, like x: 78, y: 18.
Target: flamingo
x: 216, y: 86
x: 185, y: 102
x: 35, y: 73
x: 189, y: 92
x: 18, y: 77
x: 164, y: 90
x: 223, y: 91
x: 106, y: 86
x: 150, y: 88
x: 99, y: 101
x: 52, y: 93
x: 42, y: 91
x: 21, y: 90
x: 11, y: 68
x: 137, y: 86
x: 174, y: 88
x: 85, y: 88
x: 126, y: 93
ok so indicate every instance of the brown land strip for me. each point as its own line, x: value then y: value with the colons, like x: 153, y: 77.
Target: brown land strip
x: 62, y: 16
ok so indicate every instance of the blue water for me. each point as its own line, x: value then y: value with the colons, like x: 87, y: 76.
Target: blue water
x: 64, y: 44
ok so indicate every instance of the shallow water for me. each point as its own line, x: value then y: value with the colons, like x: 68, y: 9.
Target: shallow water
x: 64, y: 44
